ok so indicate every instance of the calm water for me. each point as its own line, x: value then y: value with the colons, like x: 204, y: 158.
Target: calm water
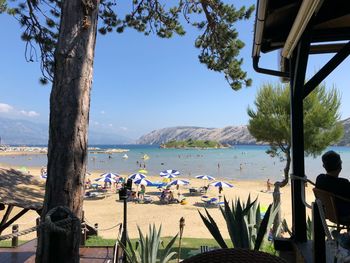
x: 224, y: 163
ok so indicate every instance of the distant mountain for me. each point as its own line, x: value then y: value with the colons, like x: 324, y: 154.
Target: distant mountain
x: 346, y: 139
x: 23, y: 132
x: 231, y: 135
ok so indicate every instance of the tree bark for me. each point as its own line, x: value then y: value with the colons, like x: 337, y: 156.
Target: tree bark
x: 277, y: 194
x: 69, y: 117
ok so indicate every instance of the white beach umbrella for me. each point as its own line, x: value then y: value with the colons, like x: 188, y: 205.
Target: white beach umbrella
x: 222, y: 184
x: 178, y: 182
x: 205, y: 177
x: 105, y: 180
x: 110, y: 175
x: 143, y: 182
x: 169, y: 173
x: 137, y: 176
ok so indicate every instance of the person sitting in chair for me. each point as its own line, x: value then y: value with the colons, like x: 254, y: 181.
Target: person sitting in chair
x: 331, y: 182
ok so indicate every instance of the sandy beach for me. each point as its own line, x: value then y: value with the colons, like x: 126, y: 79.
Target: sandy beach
x: 108, y: 212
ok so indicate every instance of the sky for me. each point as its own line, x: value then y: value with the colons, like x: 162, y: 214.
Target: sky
x: 144, y: 83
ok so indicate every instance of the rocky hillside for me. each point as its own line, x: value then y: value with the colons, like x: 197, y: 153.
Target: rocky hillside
x: 346, y: 139
x: 231, y: 135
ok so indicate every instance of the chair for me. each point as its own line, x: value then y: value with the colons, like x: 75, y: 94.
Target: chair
x: 329, y: 201
x: 228, y: 255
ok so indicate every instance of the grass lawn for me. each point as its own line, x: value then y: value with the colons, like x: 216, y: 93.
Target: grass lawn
x: 8, y: 243
x: 189, y: 246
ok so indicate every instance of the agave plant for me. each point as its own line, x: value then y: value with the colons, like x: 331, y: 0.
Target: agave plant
x: 244, y: 223
x: 147, y: 248
x: 285, y: 228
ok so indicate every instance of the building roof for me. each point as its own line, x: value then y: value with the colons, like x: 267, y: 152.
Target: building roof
x: 279, y: 25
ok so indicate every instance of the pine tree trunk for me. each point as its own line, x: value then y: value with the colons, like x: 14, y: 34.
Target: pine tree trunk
x: 69, y: 117
x: 277, y: 194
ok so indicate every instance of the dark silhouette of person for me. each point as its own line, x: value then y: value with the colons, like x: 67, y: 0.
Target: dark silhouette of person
x: 331, y: 182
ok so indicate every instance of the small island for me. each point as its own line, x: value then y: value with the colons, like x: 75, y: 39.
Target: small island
x: 194, y: 144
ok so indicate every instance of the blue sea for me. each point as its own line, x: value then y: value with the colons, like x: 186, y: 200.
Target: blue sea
x: 239, y: 162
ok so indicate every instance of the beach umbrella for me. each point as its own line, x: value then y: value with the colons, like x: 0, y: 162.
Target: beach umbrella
x: 143, y: 181
x: 110, y: 175
x: 43, y: 176
x: 105, y: 180
x: 178, y: 182
x: 205, y: 177
x: 137, y: 176
x: 222, y: 184
x: 143, y: 171
x: 169, y: 173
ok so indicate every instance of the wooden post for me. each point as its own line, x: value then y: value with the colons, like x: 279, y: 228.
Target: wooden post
x: 319, y: 245
x: 15, y: 239
x: 38, y: 226
x: 96, y: 228
x: 83, y: 234
x: 83, y: 230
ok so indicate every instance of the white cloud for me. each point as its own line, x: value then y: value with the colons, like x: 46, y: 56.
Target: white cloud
x: 29, y: 113
x: 110, y: 125
x: 123, y: 128
x: 102, y: 112
x: 5, y: 107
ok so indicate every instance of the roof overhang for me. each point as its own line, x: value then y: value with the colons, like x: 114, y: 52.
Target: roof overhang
x: 280, y: 23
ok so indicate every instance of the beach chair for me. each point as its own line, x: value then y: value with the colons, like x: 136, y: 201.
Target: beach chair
x: 146, y: 199
x: 211, y: 201
x: 197, y: 191
x: 329, y: 202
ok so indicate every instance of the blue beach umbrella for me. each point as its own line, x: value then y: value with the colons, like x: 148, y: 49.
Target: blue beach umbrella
x: 205, y: 177
x: 169, y: 173
x: 143, y: 182
x: 105, y: 180
x: 110, y: 175
x: 222, y: 184
x: 178, y: 182
x: 43, y: 176
x: 137, y: 176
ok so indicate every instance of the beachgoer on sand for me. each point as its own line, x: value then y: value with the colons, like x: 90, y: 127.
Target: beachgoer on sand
x: 268, y: 185
x: 141, y: 193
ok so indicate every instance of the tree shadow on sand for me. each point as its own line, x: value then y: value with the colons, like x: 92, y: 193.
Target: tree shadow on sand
x: 20, y: 189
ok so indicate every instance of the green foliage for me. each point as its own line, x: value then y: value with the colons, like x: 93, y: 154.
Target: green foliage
x: 285, y: 228
x: 270, y: 121
x: 244, y: 224
x: 147, y: 248
x: 218, y: 40
x: 189, y: 143
x: 3, y: 6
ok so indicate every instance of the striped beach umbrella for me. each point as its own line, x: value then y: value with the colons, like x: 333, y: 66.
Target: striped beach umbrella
x: 221, y: 184
x: 136, y: 176
x: 169, y: 173
x: 143, y: 182
x: 106, y: 180
x: 43, y: 176
x: 205, y: 177
x: 110, y: 175
x: 178, y: 182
